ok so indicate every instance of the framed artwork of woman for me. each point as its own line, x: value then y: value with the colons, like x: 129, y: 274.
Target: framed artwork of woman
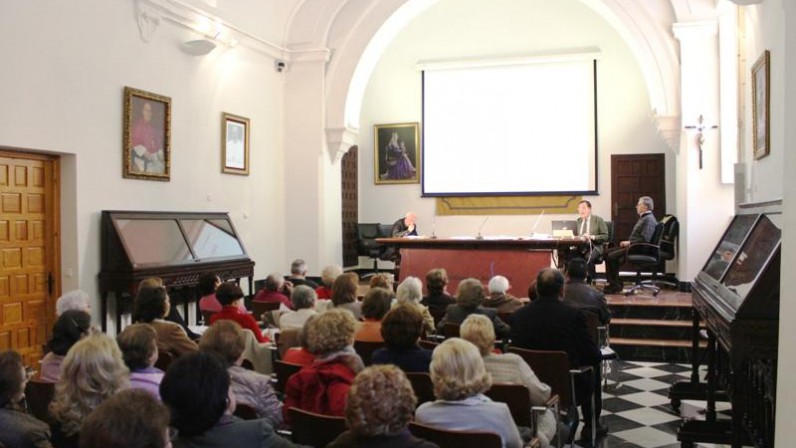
x: 397, y: 153
x: 147, y: 135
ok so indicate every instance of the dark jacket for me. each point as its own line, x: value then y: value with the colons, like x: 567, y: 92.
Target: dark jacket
x: 457, y: 314
x: 644, y: 229
x: 580, y: 295
x: 412, y: 360
x: 403, y: 439
x: 21, y: 430
x: 232, y: 431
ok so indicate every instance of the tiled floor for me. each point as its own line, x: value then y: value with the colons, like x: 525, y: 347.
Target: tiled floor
x: 636, y: 409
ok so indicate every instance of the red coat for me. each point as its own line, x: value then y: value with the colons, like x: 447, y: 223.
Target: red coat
x: 321, y: 387
x: 243, y: 319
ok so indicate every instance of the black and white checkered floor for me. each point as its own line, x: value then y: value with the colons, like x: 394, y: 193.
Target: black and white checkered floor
x: 636, y: 409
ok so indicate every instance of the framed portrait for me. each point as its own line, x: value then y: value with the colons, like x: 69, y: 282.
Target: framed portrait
x: 146, y: 149
x: 397, y: 153
x: 234, y: 144
x: 761, y: 101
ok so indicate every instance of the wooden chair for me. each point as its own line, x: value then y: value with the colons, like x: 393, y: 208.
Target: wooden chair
x: 422, y: 385
x: 288, y: 338
x: 518, y: 399
x: 365, y: 350
x: 245, y: 412
x: 428, y: 345
x: 38, y: 395
x: 451, y: 330
x: 455, y: 439
x: 314, y: 429
x: 164, y: 360
x: 260, y: 308
x: 283, y: 371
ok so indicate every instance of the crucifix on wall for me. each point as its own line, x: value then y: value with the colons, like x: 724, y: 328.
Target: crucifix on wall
x: 700, y: 137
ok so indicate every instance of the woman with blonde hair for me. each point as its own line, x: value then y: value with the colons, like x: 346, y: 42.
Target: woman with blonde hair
x: 93, y: 370
x: 510, y: 368
x: 410, y: 292
x: 460, y: 381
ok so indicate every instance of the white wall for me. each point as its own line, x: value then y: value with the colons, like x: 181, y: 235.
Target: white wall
x: 64, y: 70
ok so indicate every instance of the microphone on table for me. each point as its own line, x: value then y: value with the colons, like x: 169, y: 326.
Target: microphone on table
x: 434, y: 228
x: 479, y: 236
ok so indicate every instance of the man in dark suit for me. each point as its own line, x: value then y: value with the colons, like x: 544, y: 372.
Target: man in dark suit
x: 579, y: 294
x: 642, y: 233
x: 549, y: 324
x: 591, y: 228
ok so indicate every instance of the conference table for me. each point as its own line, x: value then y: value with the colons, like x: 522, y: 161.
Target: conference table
x: 518, y: 259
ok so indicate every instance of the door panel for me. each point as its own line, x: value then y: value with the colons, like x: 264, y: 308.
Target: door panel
x: 633, y: 176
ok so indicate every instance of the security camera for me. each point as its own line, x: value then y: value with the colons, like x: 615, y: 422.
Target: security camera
x: 280, y: 66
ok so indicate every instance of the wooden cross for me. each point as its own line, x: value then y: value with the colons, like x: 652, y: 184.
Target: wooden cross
x: 700, y: 137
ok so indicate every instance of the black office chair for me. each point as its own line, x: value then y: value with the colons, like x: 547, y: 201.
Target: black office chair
x: 647, y: 256
x: 367, y: 245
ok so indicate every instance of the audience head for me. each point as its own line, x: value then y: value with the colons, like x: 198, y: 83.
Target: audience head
x: 381, y: 402
x: 402, y: 327
x: 150, y: 282
x: 70, y: 327
x: 479, y: 330
x: 436, y: 280
x: 72, y: 300
x: 330, y: 332
x: 132, y: 418
x: 92, y: 371
x: 193, y: 413
x: 225, y: 338
x: 13, y: 378
x: 410, y: 218
x: 208, y: 284
x: 646, y: 203
x: 228, y: 293
x: 151, y: 303
x: 376, y: 303
x: 576, y: 269
x: 458, y: 371
x: 380, y: 281
x: 498, y: 285
x: 344, y: 289
x: 470, y: 293
x: 298, y: 268
x: 303, y: 297
x: 330, y: 273
x: 532, y: 293
x: 410, y: 291
x: 550, y: 283
x: 274, y: 282
x: 138, y: 343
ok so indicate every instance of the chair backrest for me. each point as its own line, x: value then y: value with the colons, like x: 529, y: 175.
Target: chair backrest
x: 428, y: 345
x: 455, y: 439
x: 422, y: 385
x: 366, y: 240
x: 245, y: 412
x: 385, y: 230
x: 288, y: 338
x: 647, y: 254
x: 314, y: 429
x: 668, y: 243
x: 164, y: 360
x: 258, y: 308
x: 451, y: 330
x: 518, y: 399
x: 593, y: 324
x: 38, y: 395
x: 552, y: 368
x: 283, y: 371
x: 206, y: 315
x: 365, y: 350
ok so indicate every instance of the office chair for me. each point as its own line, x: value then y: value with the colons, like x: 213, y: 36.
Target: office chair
x: 367, y: 245
x: 646, y: 256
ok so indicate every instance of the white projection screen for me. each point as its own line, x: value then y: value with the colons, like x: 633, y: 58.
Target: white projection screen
x: 512, y: 129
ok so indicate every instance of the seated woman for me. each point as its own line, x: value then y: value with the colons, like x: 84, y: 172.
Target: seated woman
x: 510, y: 368
x: 375, y: 305
x: 303, y: 298
x: 469, y: 298
x: 225, y: 338
x: 328, y: 276
x: 344, y: 294
x: 17, y: 428
x: 401, y: 330
x: 72, y: 300
x: 460, y: 380
x: 71, y: 326
x: 151, y: 306
x: 300, y: 355
x: 207, y: 288
x: 139, y: 346
x: 499, y: 298
x: 231, y: 296
x: 380, y: 281
x: 93, y: 370
x: 322, y: 386
x: 172, y: 315
x: 437, y: 298
x: 130, y: 419
x: 205, y: 419
x: 381, y: 404
x: 410, y: 292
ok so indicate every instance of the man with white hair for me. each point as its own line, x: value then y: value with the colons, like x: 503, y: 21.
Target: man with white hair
x: 499, y: 298
x: 298, y: 274
x: 72, y: 300
x: 406, y: 226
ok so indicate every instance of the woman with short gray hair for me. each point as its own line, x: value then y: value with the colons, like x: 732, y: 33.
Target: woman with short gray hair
x: 410, y: 292
x: 303, y: 299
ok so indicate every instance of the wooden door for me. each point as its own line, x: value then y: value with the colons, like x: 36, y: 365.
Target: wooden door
x: 29, y: 277
x: 350, y: 204
x: 633, y: 176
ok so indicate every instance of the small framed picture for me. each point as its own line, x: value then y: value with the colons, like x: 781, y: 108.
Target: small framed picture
x: 146, y: 149
x: 397, y: 153
x: 761, y: 100
x: 235, y: 144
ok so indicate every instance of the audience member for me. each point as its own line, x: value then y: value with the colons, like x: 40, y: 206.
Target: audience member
x: 17, y: 428
x: 205, y: 420
x: 93, y: 370
x: 375, y: 305
x: 510, y: 369
x: 322, y: 386
x: 460, y: 381
x: 300, y: 355
x: 328, y: 276
x: 401, y: 330
x: 151, y: 306
x: 129, y: 419
x: 380, y: 281
x: 138, y: 343
x: 581, y: 295
x: 273, y: 291
x: 298, y: 274
x: 344, y: 294
x: 437, y: 298
x: 172, y: 315
x: 381, y: 403
x: 469, y: 298
x: 592, y: 228
x: 303, y: 299
x: 72, y: 300
x: 410, y: 292
x: 230, y: 295
x: 207, y: 288
x: 499, y: 298
x: 642, y: 232
x: 532, y: 294
x: 70, y: 327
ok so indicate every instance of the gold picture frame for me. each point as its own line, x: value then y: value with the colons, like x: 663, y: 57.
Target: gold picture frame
x: 396, y: 153
x: 234, y: 144
x: 146, y: 145
x: 761, y: 106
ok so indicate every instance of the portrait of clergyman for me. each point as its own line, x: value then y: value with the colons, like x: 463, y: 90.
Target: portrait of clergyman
x: 147, y: 142
x: 397, y: 153
x: 235, y: 144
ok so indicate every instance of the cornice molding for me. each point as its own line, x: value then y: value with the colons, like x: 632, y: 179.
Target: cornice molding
x: 339, y: 141
x: 668, y: 127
